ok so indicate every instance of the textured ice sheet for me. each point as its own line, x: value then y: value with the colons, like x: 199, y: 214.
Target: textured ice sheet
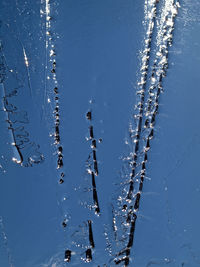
x: 99, y: 133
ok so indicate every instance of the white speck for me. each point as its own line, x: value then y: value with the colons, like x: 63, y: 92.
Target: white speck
x: 143, y: 81
x: 52, y: 53
x: 167, y: 260
x: 47, y: 8
x: 158, y: 54
x: 170, y: 23
x: 163, y: 60
x: 89, y: 171
x: 16, y: 160
x: 145, y: 58
x: 140, y: 92
x: 25, y: 58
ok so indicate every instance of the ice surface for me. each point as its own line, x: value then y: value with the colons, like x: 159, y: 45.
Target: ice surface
x: 99, y: 133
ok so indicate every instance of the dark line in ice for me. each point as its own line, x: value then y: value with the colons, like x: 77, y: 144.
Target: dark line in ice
x: 141, y: 92
x: 91, y: 239
x: 95, y: 196
x: 93, y: 170
x: 88, y: 255
x: 146, y: 122
x: 68, y: 254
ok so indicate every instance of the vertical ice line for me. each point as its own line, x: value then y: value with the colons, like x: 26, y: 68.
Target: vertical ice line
x: 145, y: 55
x: 147, y: 105
x: 93, y: 166
x: 53, y: 89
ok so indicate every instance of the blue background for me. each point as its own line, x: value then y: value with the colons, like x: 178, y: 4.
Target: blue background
x: 98, y: 46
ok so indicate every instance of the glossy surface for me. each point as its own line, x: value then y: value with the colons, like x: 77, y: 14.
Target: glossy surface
x: 99, y: 133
